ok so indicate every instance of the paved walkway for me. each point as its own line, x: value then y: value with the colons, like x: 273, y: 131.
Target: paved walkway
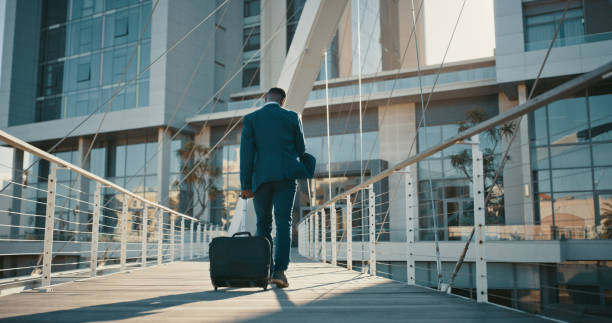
x: 182, y: 291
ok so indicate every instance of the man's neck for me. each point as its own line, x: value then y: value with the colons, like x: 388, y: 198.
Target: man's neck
x: 271, y: 102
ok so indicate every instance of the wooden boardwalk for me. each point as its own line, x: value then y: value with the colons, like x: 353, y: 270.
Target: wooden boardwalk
x: 182, y: 291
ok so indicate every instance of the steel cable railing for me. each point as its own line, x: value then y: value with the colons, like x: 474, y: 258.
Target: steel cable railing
x: 332, y: 231
x: 61, y: 227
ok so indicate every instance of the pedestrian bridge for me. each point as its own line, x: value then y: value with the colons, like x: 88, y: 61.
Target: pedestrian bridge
x: 182, y: 291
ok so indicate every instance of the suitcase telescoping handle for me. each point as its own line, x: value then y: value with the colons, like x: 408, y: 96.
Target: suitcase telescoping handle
x: 243, y: 233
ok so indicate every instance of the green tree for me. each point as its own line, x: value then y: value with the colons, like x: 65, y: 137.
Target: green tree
x: 198, y: 175
x: 462, y: 161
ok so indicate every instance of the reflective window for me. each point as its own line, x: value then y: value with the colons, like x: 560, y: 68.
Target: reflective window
x: 568, y: 121
x: 83, y: 72
x: 72, y: 86
x: 571, y: 164
x: 251, y: 38
x: 250, y: 75
x: 54, y: 12
x: 251, y: 8
x: 601, y: 117
x: 541, y: 21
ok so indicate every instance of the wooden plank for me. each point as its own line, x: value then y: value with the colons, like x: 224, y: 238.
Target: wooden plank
x: 182, y: 291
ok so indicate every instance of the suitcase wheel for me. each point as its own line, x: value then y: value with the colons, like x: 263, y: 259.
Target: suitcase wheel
x: 216, y: 288
x: 265, y: 287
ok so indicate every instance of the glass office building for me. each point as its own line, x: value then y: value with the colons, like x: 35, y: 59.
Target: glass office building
x: 89, y: 49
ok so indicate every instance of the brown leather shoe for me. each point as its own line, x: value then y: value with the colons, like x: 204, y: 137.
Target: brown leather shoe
x: 279, y: 278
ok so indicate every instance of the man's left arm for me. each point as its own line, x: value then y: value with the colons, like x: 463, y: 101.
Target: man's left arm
x: 247, y: 157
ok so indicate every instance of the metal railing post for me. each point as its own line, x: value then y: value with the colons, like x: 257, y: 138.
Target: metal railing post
x: 160, y: 236
x: 199, y: 240
x: 191, y: 234
x: 323, y: 237
x: 124, y: 211
x: 145, y: 235
x: 182, y: 238
x: 172, y: 237
x: 372, y: 228
x: 411, y: 213
x: 306, y: 237
x: 317, y: 253
x: 349, y: 233
x: 49, y: 226
x: 310, y: 237
x: 334, y: 238
x: 206, y: 238
x: 95, y: 227
x: 479, y: 222
x: 301, y: 237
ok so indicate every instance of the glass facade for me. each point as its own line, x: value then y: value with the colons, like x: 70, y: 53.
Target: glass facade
x: 446, y: 190
x: 571, y: 157
x: 585, y: 22
x: 130, y: 162
x: 87, y: 49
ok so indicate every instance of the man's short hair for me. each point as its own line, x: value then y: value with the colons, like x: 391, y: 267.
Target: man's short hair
x: 275, y: 94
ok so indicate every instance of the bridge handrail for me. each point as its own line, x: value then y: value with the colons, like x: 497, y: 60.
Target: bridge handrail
x: 22, y: 145
x: 313, y: 228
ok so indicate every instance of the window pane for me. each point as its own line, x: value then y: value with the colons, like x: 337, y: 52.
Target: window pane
x: 151, y: 158
x: 568, y: 121
x: 250, y: 75
x: 602, y: 154
x: 251, y: 38
x: 574, y: 209
x: 541, y: 181
x: 539, y: 158
x: 143, y: 93
x: 121, y: 26
x: 570, y: 156
x: 251, y: 8
x: 572, y: 179
x: 83, y: 72
x: 120, y: 161
x: 135, y: 159
x: 175, y: 161
x: 601, y: 117
x: 538, y: 127
x: 603, y: 178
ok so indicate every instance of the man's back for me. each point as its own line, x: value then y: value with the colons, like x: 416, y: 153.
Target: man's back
x: 272, y: 141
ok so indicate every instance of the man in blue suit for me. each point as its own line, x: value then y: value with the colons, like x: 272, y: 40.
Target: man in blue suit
x: 271, y: 146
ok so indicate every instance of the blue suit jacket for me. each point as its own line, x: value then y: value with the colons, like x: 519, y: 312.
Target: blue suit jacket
x: 271, y: 146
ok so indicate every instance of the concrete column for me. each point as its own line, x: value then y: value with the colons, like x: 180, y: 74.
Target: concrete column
x: 163, y: 166
x: 16, y: 177
x: 525, y: 161
x: 82, y: 184
x: 396, y: 132
x: 273, y: 16
x: 517, y: 171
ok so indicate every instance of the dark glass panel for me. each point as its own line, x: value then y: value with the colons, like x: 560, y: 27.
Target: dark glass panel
x: 567, y: 121
x: 251, y: 8
x: 600, y: 109
x: 54, y: 12
x: 250, y: 75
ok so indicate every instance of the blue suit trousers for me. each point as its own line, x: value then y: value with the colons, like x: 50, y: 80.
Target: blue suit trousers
x: 277, y: 196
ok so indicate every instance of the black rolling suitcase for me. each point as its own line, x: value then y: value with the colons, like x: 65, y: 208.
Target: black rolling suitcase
x: 240, y: 261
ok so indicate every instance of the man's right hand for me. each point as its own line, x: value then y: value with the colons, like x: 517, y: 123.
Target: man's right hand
x: 246, y: 194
